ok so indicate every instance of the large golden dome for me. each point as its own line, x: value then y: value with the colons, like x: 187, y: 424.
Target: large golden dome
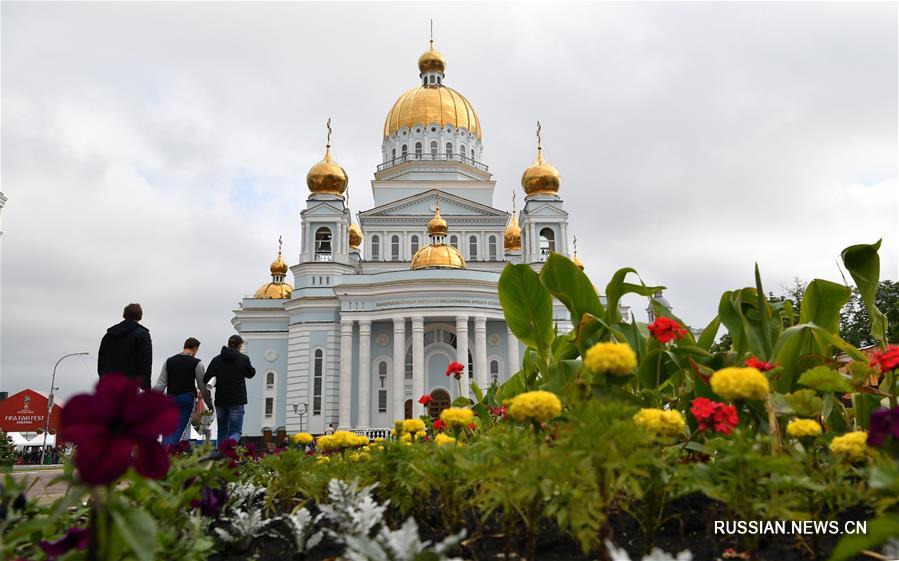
x: 426, y: 105
x: 274, y: 290
x: 439, y: 256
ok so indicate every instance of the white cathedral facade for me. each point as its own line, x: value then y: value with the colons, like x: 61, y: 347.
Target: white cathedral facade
x: 377, y: 310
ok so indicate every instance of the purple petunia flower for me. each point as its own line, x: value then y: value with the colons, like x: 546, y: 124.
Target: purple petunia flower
x: 75, y: 538
x: 884, y: 423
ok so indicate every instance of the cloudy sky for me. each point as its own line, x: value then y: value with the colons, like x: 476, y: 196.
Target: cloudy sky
x: 154, y: 152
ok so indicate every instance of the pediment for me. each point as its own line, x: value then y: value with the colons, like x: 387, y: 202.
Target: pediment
x: 546, y: 209
x: 423, y: 204
x: 324, y: 208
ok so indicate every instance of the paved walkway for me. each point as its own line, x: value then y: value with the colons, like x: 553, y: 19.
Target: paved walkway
x: 43, y: 490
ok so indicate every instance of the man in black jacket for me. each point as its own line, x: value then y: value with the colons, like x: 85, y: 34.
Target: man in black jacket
x: 127, y: 349
x: 230, y: 369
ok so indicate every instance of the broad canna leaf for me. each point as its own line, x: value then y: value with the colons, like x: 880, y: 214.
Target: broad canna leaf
x: 527, y: 305
x: 863, y: 263
x: 617, y: 288
x: 570, y: 286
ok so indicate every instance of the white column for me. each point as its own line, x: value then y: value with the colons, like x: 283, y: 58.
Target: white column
x: 418, y: 367
x: 345, y: 392
x: 514, y: 361
x: 307, y: 243
x: 364, y: 419
x: 480, y: 351
x: 462, y: 350
x: 399, y: 367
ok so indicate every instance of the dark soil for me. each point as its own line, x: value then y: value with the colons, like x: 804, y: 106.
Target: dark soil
x: 690, y: 526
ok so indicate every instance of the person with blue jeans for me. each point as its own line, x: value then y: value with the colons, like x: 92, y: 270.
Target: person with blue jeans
x: 231, y: 369
x: 182, y: 378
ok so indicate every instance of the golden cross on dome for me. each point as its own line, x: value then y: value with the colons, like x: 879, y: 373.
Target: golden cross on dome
x: 432, y: 33
x: 575, y: 245
x: 329, y: 131
x: 513, y: 202
x: 437, y: 198
x: 279, y: 245
x: 538, y: 135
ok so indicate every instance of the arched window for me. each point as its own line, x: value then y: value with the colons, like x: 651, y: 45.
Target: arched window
x: 323, y: 244
x: 473, y: 248
x: 405, y: 149
x: 547, y: 243
x: 491, y: 248
x: 494, y: 371
x: 382, y: 387
x: 462, y: 150
x: 318, y: 367
x: 454, y: 241
x: 270, y: 380
x: 418, y: 148
x: 414, y: 245
x: 472, y: 153
x: 432, y: 78
x: 393, y: 154
x: 395, y: 248
x: 433, y: 147
x: 449, y: 148
x: 375, y: 248
x: 269, y: 406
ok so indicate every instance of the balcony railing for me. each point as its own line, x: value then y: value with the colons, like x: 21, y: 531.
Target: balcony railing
x: 433, y: 158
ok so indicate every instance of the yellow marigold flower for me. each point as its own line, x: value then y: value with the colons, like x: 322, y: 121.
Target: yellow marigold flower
x: 303, y: 438
x: 853, y: 445
x: 398, y: 426
x: 392, y: 432
x: 378, y: 439
x: 413, y: 425
x: 324, y: 442
x: 617, y: 359
x: 322, y: 460
x: 740, y: 383
x: 457, y: 417
x: 362, y: 440
x: 799, y: 428
x: 538, y: 406
x: 406, y: 437
x: 660, y: 421
x: 443, y: 438
x: 420, y: 435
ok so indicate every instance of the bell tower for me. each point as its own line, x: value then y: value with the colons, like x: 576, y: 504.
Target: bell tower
x: 544, y: 221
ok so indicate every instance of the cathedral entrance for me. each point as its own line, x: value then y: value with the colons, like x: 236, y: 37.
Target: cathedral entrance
x: 440, y: 400
x: 407, y: 413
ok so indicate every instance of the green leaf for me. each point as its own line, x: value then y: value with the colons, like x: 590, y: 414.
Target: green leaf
x: 571, y: 287
x: 863, y: 263
x: 805, y: 403
x: 561, y: 374
x: 824, y: 379
x: 802, y: 341
x: 765, y: 312
x: 878, y: 532
x: 138, y: 529
x: 511, y: 387
x: 618, y: 288
x: 707, y: 338
x: 822, y: 302
x: 527, y: 305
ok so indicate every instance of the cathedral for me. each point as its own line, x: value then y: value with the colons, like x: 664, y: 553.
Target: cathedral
x: 379, y: 306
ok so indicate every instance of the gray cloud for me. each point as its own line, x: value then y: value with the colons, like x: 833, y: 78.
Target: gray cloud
x: 154, y: 152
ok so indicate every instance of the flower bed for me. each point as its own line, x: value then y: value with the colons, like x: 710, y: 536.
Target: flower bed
x: 650, y: 440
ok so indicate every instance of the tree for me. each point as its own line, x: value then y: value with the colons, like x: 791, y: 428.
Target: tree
x: 7, y: 450
x: 855, y: 325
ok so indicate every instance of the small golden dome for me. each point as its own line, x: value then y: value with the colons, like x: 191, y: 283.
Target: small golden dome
x: 575, y: 259
x: 278, y: 267
x: 541, y: 178
x: 327, y: 176
x: 512, y: 233
x: 439, y: 256
x: 431, y: 61
x: 355, y: 236
x: 273, y: 290
x: 437, y: 225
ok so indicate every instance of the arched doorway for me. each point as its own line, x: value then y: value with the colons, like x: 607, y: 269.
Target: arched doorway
x: 440, y: 400
x: 407, y: 413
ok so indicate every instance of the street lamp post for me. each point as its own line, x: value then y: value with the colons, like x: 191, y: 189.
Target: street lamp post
x: 50, y: 402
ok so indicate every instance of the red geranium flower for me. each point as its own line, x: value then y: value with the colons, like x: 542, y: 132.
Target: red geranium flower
x: 425, y: 399
x: 472, y: 426
x: 666, y: 329
x: 886, y: 360
x: 759, y: 365
x: 455, y: 369
x: 108, y: 426
x: 712, y: 414
x: 726, y: 418
x: 439, y: 425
